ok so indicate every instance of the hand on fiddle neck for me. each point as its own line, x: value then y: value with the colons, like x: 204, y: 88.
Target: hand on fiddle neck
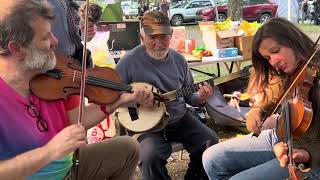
x: 298, y: 155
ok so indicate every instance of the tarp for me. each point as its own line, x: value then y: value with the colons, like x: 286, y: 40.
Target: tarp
x: 111, y: 9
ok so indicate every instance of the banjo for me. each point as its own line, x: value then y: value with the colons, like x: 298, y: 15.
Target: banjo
x: 140, y: 119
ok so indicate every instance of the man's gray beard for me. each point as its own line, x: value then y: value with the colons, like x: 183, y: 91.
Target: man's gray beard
x: 158, y: 54
x: 39, y: 61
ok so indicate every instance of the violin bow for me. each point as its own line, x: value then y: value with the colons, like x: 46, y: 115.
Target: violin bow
x: 83, y: 82
x: 83, y: 66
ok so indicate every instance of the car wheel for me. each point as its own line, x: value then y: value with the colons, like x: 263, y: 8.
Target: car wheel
x: 221, y: 17
x: 264, y: 18
x: 177, y: 20
x: 127, y: 17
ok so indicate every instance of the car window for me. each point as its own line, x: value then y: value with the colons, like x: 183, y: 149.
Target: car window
x: 221, y: 2
x: 248, y: 2
x: 256, y: 1
x: 182, y: 5
x: 195, y: 4
x: 205, y: 4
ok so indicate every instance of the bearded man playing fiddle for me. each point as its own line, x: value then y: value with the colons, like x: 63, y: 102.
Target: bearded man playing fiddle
x: 38, y: 137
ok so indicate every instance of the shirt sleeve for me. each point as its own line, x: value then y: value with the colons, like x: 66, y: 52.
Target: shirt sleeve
x: 72, y: 102
x: 123, y: 70
x: 193, y: 98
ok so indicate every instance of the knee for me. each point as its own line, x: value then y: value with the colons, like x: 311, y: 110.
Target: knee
x: 150, y: 157
x: 212, y: 159
x: 129, y: 142
x: 212, y: 136
x: 130, y: 145
x: 206, y: 159
x: 211, y: 142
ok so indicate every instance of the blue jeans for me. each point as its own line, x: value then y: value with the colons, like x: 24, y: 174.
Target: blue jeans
x: 246, y: 158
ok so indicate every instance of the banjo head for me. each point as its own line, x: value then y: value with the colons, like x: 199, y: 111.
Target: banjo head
x: 139, y: 118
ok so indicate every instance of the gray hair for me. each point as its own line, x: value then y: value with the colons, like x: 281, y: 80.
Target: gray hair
x: 15, y: 24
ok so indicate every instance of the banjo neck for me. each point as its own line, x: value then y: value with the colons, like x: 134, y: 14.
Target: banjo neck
x: 185, y: 91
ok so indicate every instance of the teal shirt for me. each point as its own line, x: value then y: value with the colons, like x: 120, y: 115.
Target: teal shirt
x: 56, y: 170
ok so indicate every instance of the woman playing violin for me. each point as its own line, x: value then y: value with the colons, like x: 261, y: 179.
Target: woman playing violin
x: 279, y: 47
x: 38, y: 137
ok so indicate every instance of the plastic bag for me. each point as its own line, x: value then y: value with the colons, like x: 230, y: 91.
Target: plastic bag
x: 100, y: 51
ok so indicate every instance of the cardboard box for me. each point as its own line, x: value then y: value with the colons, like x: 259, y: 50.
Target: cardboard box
x: 178, y: 38
x: 244, y: 45
x: 213, y: 39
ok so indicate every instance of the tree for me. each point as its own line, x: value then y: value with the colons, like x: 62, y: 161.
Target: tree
x: 235, y: 9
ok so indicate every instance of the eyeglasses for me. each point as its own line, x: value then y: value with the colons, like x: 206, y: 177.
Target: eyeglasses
x: 34, y: 112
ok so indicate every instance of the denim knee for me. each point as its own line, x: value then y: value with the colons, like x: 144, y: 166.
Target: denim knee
x: 212, y: 165
x: 151, y: 158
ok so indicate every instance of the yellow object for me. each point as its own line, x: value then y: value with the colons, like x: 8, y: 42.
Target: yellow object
x: 249, y: 28
x: 244, y: 96
x: 101, y: 58
x: 239, y: 135
x: 219, y: 26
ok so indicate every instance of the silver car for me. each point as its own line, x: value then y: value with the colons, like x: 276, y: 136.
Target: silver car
x: 186, y: 11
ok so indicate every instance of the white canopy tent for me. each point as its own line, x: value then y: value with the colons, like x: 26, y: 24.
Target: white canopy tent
x: 288, y: 9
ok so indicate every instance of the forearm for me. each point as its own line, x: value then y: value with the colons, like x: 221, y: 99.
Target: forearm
x: 92, y: 114
x: 24, y: 164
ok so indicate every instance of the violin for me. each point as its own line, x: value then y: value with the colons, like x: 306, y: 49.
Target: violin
x: 300, y: 108
x: 103, y: 85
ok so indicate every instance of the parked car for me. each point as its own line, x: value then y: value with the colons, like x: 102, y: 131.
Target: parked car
x: 186, y: 11
x: 253, y: 10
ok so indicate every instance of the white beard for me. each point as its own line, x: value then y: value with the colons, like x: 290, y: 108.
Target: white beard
x: 158, y: 54
x: 39, y: 61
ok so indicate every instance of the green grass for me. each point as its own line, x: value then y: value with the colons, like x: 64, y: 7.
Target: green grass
x: 212, y: 68
x: 309, y: 28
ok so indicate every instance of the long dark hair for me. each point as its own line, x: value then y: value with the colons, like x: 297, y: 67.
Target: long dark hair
x: 285, y: 33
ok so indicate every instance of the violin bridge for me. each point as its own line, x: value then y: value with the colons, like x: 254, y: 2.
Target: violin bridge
x: 74, y: 75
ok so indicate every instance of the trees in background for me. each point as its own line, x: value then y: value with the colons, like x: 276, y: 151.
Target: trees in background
x: 235, y: 9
